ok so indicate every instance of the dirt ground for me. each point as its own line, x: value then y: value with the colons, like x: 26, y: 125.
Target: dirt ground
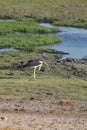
x: 36, y: 114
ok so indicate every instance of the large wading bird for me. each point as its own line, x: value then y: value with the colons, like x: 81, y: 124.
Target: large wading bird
x: 35, y: 64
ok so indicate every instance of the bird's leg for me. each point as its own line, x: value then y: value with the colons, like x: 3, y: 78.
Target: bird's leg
x: 34, y: 73
x: 40, y: 67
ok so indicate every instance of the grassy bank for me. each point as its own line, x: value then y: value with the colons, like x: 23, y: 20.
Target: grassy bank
x: 24, y: 25
x: 11, y: 59
x: 26, y: 42
x: 62, y: 12
x: 25, y: 34
x: 80, y: 24
x: 55, y: 82
x: 47, y: 9
x: 20, y: 84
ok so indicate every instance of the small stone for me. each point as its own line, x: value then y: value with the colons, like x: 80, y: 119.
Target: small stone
x: 3, y: 118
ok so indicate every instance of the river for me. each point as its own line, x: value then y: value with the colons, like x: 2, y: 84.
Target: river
x: 74, y: 41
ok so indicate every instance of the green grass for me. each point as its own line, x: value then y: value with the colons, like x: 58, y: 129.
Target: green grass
x: 25, y: 34
x: 11, y: 59
x: 53, y: 83
x: 82, y: 24
x: 26, y: 25
x: 21, y: 85
x: 68, y: 13
x: 26, y: 42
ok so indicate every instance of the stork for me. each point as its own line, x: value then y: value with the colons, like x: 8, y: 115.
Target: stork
x: 35, y: 64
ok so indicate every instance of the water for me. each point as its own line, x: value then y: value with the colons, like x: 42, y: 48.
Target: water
x: 7, y: 49
x: 74, y: 41
x: 7, y: 20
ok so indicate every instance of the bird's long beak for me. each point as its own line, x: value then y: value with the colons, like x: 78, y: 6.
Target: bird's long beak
x: 46, y: 64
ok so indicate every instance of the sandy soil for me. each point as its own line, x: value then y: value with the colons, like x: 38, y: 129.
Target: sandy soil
x: 34, y: 114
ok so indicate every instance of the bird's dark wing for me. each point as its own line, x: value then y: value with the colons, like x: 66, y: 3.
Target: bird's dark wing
x: 34, y: 62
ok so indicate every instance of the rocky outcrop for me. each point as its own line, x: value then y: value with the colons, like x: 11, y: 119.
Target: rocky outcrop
x: 72, y: 61
x: 77, y: 67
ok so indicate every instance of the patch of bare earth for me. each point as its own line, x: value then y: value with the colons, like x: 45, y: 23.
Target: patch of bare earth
x: 35, y: 114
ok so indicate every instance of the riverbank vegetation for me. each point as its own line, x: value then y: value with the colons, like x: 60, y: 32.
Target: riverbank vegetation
x: 60, y: 12
x: 80, y: 24
x: 47, y: 9
x: 24, y: 25
x: 56, y: 82
x: 26, y: 42
x: 61, y: 80
x: 25, y: 34
x: 20, y: 84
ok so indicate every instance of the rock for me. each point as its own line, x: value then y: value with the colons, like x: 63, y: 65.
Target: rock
x: 3, y: 118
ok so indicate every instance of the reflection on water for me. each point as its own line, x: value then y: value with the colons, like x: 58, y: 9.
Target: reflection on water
x: 74, y: 41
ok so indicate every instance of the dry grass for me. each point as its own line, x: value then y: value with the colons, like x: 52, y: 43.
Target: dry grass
x: 51, y: 9
x: 45, y: 87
